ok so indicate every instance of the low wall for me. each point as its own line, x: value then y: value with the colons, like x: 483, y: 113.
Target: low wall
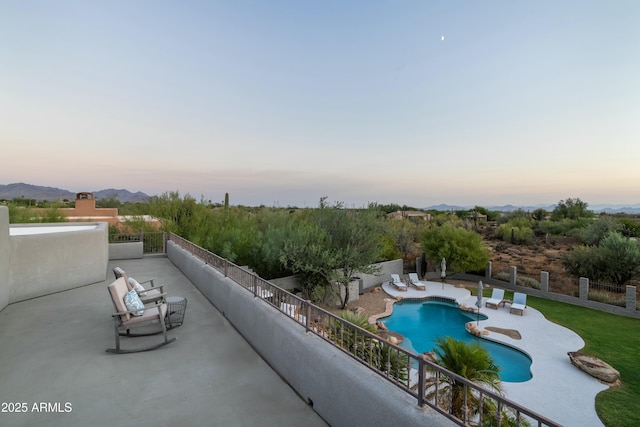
x: 128, y: 250
x: 45, y: 263
x: 387, y: 268
x: 341, y: 390
x: 4, y: 257
x: 607, y: 308
x: 368, y: 280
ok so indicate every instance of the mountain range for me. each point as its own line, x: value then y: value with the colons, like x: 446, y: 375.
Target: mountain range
x: 600, y: 208
x: 37, y: 192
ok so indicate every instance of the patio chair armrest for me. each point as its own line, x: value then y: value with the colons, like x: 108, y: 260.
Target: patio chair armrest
x: 149, y: 281
x: 148, y: 299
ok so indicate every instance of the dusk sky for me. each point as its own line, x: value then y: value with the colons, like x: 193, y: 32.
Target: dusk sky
x: 283, y: 102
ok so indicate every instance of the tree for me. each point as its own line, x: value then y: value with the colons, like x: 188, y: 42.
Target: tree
x: 471, y: 362
x: 463, y: 249
x: 372, y: 350
x: 539, y: 214
x: 571, y: 209
x: 335, y: 245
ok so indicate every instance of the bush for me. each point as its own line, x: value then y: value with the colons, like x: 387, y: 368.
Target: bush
x: 510, y: 232
x: 528, y: 282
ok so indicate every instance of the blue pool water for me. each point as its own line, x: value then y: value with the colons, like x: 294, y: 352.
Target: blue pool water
x: 421, y: 323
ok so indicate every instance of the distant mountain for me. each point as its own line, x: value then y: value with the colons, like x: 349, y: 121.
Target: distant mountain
x: 503, y: 208
x: 601, y: 208
x: 37, y: 192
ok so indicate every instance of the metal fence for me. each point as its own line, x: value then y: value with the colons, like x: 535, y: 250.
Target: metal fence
x: 453, y: 396
x: 152, y: 242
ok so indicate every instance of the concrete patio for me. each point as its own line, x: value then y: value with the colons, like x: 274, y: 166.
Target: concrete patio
x: 53, y: 352
x: 558, y: 389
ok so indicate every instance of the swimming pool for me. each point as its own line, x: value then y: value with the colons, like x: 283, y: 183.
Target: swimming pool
x: 422, y: 322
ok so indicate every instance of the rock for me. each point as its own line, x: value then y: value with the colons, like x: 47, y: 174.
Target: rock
x: 398, y: 298
x: 377, y: 289
x: 358, y: 310
x: 430, y: 356
x: 381, y: 326
x: 594, y: 367
x: 393, y: 340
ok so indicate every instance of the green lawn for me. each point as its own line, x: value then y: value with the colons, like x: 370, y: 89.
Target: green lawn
x: 613, y: 339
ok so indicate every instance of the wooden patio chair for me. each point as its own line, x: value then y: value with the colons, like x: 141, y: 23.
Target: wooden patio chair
x: 125, y: 319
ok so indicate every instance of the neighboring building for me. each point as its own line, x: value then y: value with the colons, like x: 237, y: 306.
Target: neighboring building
x: 410, y: 214
x: 86, y: 210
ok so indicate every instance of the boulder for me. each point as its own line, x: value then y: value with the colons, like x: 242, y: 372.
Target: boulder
x: 381, y: 326
x: 430, y: 356
x: 594, y: 367
x: 358, y: 310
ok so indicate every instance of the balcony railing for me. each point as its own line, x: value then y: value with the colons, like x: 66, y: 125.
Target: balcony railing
x: 153, y: 242
x: 462, y: 401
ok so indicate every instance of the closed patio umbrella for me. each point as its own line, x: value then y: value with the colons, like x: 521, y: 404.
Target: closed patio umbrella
x: 479, y: 300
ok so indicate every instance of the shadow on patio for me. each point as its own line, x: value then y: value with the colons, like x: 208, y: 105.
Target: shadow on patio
x: 53, y: 352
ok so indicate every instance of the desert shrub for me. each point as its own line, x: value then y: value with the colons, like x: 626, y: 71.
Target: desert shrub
x: 502, y: 275
x: 528, y: 282
x: 607, y: 298
x: 630, y: 227
x: 593, y: 233
x: 565, y: 227
x: 511, y: 232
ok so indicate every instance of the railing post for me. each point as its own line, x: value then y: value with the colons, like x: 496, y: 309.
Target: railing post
x: 308, y: 315
x: 421, y: 376
x: 584, y: 288
x: 254, y: 284
x: 226, y: 268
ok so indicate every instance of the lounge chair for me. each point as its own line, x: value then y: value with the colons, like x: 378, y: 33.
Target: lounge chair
x: 415, y: 282
x: 497, y: 298
x: 519, y: 303
x: 293, y: 310
x: 399, y: 284
x: 146, y: 295
x: 142, y: 315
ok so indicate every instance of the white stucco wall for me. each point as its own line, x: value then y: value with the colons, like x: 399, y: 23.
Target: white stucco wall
x: 4, y: 257
x: 41, y: 264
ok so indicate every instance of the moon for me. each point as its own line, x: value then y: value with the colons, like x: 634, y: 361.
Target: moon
x: 442, y: 38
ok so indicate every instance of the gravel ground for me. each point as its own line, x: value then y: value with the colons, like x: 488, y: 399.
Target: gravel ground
x: 373, y: 299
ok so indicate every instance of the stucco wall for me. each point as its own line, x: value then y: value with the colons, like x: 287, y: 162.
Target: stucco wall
x: 4, y: 257
x: 41, y: 264
x: 128, y: 250
x: 343, y: 392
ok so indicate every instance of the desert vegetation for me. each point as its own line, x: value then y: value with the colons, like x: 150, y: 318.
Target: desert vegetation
x: 327, y: 244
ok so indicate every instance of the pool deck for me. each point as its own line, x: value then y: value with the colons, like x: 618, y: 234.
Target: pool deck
x: 558, y: 390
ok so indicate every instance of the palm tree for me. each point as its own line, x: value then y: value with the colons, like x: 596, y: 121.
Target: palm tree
x: 371, y: 350
x: 470, y: 361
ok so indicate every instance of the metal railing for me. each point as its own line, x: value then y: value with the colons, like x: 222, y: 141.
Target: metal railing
x: 460, y: 400
x: 153, y: 242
